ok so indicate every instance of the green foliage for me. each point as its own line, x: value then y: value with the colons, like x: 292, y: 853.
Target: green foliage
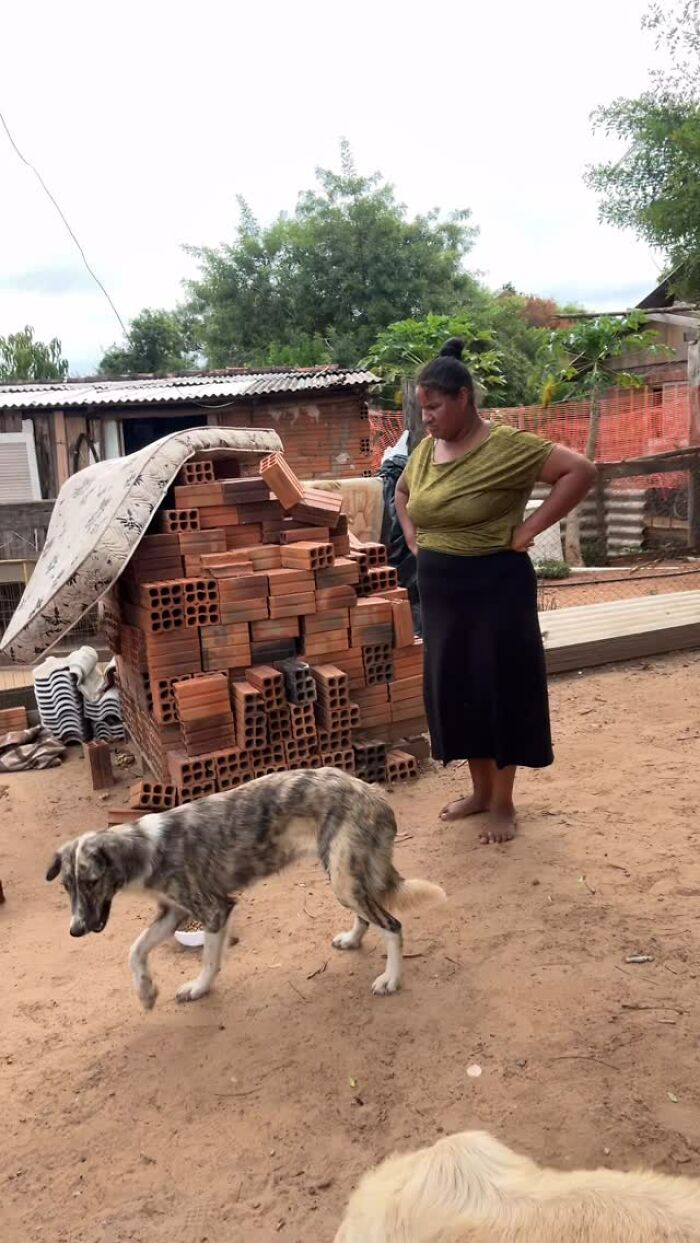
x: 505, y: 335
x: 24, y: 358
x: 520, y: 327
x: 158, y: 342
x: 577, y: 359
x: 594, y: 552
x: 677, y: 30
x: 329, y: 278
x: 654, y: 188
x: 402, y: 348
x: 300, y: 351
x: 552, y: 569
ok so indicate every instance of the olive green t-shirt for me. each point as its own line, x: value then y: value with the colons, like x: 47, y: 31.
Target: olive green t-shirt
x: 473, y: 505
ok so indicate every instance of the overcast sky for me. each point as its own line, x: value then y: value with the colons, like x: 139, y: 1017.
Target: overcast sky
x: 147, y: 118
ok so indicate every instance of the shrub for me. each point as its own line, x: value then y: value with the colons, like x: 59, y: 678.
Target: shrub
x: 552, y: 569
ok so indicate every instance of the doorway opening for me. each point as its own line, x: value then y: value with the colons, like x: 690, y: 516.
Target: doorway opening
x: 141, y: 432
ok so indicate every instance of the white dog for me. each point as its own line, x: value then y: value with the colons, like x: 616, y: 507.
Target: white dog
x: 469, y: 1188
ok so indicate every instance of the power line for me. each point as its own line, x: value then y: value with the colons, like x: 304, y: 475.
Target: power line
x: 46, y: 190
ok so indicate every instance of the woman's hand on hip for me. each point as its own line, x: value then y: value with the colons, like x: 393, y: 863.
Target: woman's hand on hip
x: 522, y: 538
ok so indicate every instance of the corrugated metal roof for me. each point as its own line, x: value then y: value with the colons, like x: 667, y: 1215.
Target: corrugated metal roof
x: 204, y: 386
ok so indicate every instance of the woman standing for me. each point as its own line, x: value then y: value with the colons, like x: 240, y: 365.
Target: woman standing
x: 461, y: 502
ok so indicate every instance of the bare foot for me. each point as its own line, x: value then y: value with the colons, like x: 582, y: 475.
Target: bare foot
x: 501, y: 827
x: 463, y: 807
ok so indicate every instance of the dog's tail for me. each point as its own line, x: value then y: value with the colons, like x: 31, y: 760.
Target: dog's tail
x: 407, y: 895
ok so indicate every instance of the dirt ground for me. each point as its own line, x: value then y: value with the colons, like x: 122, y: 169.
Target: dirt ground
x: 622, y: 583
x: 250, y: 1115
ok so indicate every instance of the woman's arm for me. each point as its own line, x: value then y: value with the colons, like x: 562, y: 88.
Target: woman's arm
x: 571, y: 476
x: 401, y: 501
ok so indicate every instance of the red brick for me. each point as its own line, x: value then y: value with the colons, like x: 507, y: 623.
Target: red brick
x: 196, y: 471
x: 270, y: 683
x: 179, y: 519
x: 332, y: 598
x: 318, y: 508
x: 14, y: 719
x: 281, y: 480
x: 344, y: 572
x: 267, y: 631
x: 382, y: 578
x: 244, y: 587
x: 404, y: 629
x: 232, y: 768
x: 268, y: 759
x: 302, y: 605
x: 341, y: 757
x: 288, y: 581
x: 97, y: 754
x: 198, y: 495
x: 307, y: 555
x: 400, y: 767
x: 327, y: 622
x: 152, y: 795
x: 295, y: 534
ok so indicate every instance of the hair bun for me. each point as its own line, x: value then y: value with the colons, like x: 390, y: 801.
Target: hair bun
x: 454, y: 348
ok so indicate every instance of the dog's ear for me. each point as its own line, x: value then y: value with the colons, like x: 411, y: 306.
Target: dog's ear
x: 54, y: 868
x: 103, y: 858
x: 95, y: 859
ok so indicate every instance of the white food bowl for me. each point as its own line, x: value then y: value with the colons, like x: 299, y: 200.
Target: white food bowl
x: 192, y: 940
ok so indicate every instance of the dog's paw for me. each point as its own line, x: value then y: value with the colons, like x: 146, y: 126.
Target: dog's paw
x: 345, y: 941
x: 191, y: 992
x: 385, y: 984
x: 148, y: 993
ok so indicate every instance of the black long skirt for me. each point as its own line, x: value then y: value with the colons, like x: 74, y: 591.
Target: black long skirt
x: 485, y: 680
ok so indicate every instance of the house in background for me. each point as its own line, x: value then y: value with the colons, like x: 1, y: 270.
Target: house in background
x: 50, y: 431
x: 677, y: 325
x: 320, y: 413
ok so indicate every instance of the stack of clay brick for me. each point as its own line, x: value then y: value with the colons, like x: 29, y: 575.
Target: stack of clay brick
x: 12, y: 720
x: 254, y: 634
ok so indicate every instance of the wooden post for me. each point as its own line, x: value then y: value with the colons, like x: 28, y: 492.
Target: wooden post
x: 694, y: 508
x: 45, y: 455
x: 60, y: 441
x: 601, y: 517
x: 694, y: 392
x: 572, y: 538
x: 694, y: 439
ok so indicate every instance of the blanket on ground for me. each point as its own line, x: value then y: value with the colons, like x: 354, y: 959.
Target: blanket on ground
x: 30, y: 748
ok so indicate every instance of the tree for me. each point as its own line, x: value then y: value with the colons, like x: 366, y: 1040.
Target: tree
x: 402, y: 348
x: 505, y: 334
x: 654, y: 188
x: 520, y: 326
x: 24, y: 358
x: 579, y: 361
x: 325, y: 281
x: 158, y: 342
x: 677, y: 30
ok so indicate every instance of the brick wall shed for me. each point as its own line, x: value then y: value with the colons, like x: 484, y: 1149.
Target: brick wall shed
x: 321, y: 415
x: 324, y: 439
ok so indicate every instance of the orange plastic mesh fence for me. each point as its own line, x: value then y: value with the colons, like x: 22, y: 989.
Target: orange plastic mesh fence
x: 385, y: 428
x: 633, y: 423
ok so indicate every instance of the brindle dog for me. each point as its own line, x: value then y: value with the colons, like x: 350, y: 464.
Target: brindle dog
x: 196, y: 857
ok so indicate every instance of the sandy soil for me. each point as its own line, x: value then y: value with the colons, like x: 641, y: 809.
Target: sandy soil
x: 623, y: 583
x: 249, y: 1115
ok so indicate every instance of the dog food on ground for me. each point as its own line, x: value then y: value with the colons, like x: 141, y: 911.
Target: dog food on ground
x: 191, y: 925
